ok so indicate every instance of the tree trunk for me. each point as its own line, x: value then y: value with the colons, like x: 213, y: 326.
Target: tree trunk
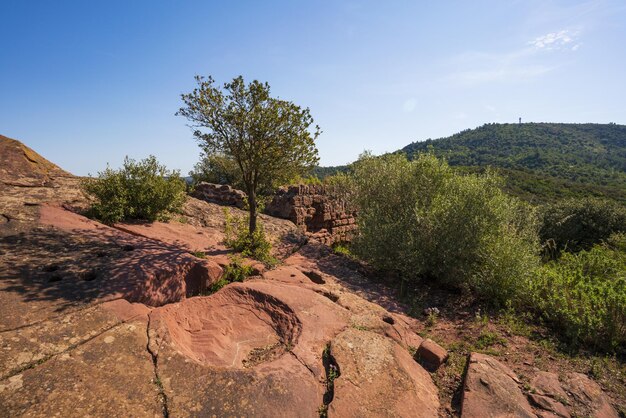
x: 253, y: 208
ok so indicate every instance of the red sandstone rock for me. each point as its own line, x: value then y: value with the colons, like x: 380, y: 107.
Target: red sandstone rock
x: 491, y: 390
x: 547, y: 384
x: 432, y: 354
x: 21, y: 166
x: 378, y: 378
x: 324, y: 218
x: 189, y: 237
x: 150, y: 272
x: 589, y: 393
x: 222, y: 194
x: 550, y: 405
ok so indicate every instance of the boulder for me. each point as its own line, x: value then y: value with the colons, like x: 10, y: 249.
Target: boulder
x: 431, y: 354
x: 222, y: 194
x: 378, y: 378
x: 589, y: 393
x: 551, y: 406
x: 491, y: 390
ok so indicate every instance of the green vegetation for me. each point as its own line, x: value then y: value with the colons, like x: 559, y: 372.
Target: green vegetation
x: 422, y: 220
x: 254, y: 245
x: 218, y: 285
x: 577, y: 224
x: 583, y: 295
x: 267, y: 138
x: 542, y: 160
x: 139, y: 190
x: 217, y: 168
x: 236, y: 270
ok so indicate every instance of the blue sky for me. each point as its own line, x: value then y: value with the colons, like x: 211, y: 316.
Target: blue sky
x: 86, y: 83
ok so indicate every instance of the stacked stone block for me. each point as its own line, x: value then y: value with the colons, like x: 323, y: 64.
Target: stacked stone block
x: 318, y: 214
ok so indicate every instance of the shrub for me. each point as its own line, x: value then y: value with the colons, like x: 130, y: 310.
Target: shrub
x: 236, y: 271
x: 583, y: 295
x: 578, y: 224
x: 254, y: 245
x: 421, y: 219
x: 139, y: 190
x: 218, y: 169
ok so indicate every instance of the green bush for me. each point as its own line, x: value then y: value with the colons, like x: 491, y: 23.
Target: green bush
x: 139, y: 190
x: 583, y: 295
x: 421, y: 219
x: 218, y: 169
x: 238, y: 237
x: 236, y: 271
x: 578, y: 224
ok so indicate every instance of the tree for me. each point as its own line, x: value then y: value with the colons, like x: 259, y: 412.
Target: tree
x: 267, y: 137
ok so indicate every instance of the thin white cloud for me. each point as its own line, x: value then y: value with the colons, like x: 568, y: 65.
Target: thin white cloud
x: 526, y: 62
x: 554, y: 40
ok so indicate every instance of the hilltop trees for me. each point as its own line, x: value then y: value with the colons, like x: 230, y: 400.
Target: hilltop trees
x: 268, y: 138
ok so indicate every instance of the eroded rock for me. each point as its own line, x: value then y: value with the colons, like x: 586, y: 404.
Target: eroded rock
x: 379, y: 379
x: 491, y: 390
x: 589, y: 393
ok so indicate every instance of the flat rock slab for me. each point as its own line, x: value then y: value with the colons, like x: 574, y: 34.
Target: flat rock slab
x: 109, y: 375
x: 491, y: 390
x: 24, y: 348
x: 182, y: 235
x: 378, y: 378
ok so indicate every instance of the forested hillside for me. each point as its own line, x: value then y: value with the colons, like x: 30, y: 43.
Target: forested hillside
x: 549, y: 160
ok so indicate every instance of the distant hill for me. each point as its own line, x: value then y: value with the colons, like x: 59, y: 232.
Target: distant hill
x: 541, y: 161
x: 548, y: 160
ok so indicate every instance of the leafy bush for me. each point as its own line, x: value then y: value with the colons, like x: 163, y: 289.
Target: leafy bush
x: 236, y: 271
x: 139, y: 190
x: 583, y: 295
x: 254, y: 245
x: 577, y: 224
x: 422, y: 219
x: 217, y: 169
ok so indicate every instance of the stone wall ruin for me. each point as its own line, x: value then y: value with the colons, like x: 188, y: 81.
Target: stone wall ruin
x: 318, y: 214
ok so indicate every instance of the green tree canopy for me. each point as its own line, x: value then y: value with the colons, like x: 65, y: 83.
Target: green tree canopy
x: 267, y: 137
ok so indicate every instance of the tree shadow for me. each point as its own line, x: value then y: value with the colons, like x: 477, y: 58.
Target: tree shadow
x: 85, y: 266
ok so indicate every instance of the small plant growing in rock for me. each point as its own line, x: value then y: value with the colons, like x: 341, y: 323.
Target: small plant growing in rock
x: 218, y: 285
x: 254, y: 245
x: 236, y: 271
x: 431, y: 319
x: 199, y: 254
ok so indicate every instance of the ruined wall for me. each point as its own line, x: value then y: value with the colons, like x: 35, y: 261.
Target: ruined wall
x: 222, y: 194
x: 322, y: 217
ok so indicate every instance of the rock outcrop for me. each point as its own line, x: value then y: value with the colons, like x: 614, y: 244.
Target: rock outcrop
x: 322, y: 217
x: 222, y: 194
x: 492, y: 389
x: 21, y: 166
